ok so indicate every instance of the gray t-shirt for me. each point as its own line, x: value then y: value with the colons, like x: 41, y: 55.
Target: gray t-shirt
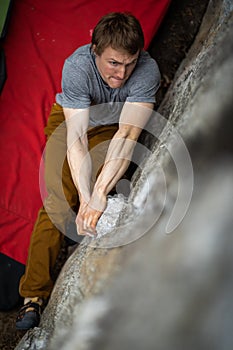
x: 82, y: 85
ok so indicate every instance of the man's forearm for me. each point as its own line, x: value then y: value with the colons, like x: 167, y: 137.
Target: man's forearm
x: 116, y: 163
x: 133, y: 118
x: 80, y: 167
x: 77, y: 150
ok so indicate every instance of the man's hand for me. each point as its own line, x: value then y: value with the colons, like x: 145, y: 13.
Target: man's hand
x: 89, y: 214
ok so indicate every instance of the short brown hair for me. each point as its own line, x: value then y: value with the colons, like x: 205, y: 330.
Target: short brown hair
x: 120, y: 30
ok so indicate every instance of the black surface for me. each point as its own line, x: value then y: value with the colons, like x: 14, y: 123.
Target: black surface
x: 10, y: 274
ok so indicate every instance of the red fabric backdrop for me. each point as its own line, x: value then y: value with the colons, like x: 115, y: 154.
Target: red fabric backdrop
x: 41, y: 34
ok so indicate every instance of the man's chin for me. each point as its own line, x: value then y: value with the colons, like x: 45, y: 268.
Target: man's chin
x: 115, y: 83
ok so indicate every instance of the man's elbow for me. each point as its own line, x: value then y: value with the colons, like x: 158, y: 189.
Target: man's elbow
x: 132, y: 133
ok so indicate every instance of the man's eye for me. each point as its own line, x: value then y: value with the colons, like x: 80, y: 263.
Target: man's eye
x: 113, y: 63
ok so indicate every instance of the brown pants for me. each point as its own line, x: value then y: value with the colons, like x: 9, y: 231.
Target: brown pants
x: 57, y: 216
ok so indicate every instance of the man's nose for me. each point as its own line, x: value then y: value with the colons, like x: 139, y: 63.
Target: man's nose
x: 121, y: 72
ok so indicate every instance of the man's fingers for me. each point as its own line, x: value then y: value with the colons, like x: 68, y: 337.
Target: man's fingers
x: 86, y: 221
x: 95, y: 219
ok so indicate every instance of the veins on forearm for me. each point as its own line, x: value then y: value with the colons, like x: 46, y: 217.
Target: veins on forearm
x: 117, y: 161
x: 80, y: 167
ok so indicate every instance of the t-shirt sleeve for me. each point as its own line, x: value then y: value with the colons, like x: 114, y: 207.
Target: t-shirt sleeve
x: 145, y: 82
x: 75, y: 89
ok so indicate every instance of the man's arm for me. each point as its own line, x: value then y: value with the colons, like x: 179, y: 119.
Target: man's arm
x: 78, y: 157
x: 133, y: 118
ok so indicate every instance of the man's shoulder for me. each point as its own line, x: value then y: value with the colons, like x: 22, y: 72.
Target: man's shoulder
x: 146, y: 67
x: 146, y: 60
x: 81, y: 54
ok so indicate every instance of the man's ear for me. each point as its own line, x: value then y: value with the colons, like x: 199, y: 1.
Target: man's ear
x: 93, y: 49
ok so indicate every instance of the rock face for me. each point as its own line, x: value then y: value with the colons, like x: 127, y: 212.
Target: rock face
x: 172, y: 288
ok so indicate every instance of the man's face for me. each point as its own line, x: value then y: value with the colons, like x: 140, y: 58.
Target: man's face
x: 115, y: 67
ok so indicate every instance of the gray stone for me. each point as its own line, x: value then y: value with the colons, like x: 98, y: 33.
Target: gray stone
x: 172, y: 288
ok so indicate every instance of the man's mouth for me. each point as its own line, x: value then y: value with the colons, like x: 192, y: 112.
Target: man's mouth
x: 118, y: 79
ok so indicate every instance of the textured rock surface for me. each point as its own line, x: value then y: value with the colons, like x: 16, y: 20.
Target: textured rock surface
x: 164, y: 290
